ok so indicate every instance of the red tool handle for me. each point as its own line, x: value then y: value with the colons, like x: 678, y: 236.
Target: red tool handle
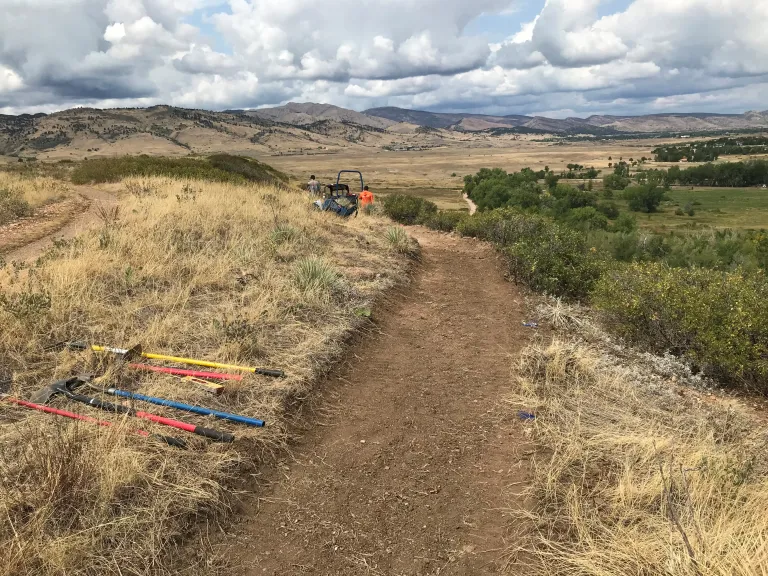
x: 64, y: 413
x: 182, y: 372
x: 199, y: 430
x: 84, y: 418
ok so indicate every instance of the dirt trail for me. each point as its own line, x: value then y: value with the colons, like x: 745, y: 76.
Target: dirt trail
x: 38, y: 228
x: 415, y: 466
x: 470, y: 203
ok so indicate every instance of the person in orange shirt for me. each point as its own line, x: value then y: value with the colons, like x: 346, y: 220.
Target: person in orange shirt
x: 365, y: 198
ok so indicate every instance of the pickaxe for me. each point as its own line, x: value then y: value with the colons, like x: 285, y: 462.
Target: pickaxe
x: 67, y: 385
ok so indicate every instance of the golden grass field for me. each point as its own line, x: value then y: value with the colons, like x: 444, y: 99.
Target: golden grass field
x: 241, y: 274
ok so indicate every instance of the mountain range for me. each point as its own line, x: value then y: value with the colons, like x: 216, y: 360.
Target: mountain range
x: 383, y: 118
x: 308, y: 128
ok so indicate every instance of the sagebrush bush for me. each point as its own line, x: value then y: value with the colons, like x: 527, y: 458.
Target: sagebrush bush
x: 409, y: 209
x: 718, y: 320
x: 445, y: 220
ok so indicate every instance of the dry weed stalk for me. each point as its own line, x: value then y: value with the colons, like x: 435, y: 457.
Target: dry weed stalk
x: 212, y: 276
x: 630, y: 480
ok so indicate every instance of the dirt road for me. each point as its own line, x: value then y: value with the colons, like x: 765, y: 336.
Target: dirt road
x: 79, y: 214
x: 415, y: 466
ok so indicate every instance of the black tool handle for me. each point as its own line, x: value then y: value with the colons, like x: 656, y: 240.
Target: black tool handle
x: 171, y: 441
x: 95, y: 402
x: 216, y: 435
x: 269, y: 372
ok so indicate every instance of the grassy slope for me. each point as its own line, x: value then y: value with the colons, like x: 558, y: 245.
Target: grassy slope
x: 243, y: 274
x: 632, y: 478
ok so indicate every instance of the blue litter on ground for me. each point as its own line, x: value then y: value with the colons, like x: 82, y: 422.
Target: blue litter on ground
x: 530, y: 324
x: 526, y: 415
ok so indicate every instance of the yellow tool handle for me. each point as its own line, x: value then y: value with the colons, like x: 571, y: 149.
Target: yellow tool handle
x: 194, y: 362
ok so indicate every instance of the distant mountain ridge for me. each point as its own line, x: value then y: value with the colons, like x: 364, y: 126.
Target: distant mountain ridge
x: 309, y: 113
x: 607, y: 123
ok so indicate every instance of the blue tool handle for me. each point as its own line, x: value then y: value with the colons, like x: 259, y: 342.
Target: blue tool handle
x: 188, y: 408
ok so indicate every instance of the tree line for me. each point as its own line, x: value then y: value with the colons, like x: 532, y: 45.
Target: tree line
x: 711, y: 150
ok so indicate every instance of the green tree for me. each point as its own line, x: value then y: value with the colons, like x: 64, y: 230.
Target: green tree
x: 645, y: 198
x: 551, y: 179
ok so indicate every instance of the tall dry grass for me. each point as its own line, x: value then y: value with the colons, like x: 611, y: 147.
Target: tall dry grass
x: 35, y: 190
x: 238, y: 274
x: 632, y: 478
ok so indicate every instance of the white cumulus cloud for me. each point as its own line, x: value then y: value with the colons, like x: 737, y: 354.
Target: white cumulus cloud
x: 653, y: 54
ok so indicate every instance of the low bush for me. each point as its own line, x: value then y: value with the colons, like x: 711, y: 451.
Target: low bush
x: 555, y: 261
x: 718, y: 320
x: 588, y: 218
x: 217, y: 168
x: 540, y: 253
x: 12, y: 206
x: 409, y: 210
x: 445, y: 220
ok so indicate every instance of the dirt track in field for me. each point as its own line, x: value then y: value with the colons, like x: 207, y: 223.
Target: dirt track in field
x: 26, y: 239
x: 413, y: 466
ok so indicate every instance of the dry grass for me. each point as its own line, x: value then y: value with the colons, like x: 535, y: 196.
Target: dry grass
x: 36, y: 191
x: 401, y: 243
x: 631, y: 478
x: 219, y: 274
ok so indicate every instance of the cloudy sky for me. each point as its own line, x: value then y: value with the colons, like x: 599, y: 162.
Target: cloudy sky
x: 548, y: 57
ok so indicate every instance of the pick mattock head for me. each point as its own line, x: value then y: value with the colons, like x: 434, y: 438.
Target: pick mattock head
x: 132, y: 353
x: 64, y: 386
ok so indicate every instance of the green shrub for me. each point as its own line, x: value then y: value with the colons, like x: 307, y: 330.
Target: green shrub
x: 218, y: 168
x: 615, y: 182
x: 539, y: 253
x: 555, y: 261
x: 587, y: 218
x: 644, y: 198
x: 409, y: 209
x: 625, y: 223
x: 610, y: 210
x: 12, y: 206
x: 445, y: 220
x: 718, y: 320
x: 679, y: 212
